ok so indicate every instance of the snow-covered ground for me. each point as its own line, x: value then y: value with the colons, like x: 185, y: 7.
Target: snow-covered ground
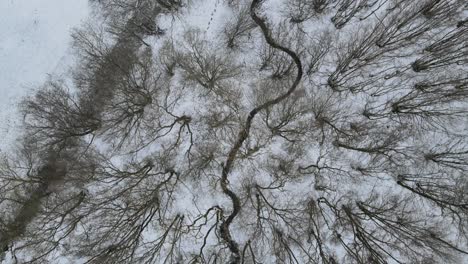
x: 34, y: 41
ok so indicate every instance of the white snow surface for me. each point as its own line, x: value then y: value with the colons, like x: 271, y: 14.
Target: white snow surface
x: 34, y: 43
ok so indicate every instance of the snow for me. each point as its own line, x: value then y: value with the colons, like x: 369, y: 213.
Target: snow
x: 34, y: 41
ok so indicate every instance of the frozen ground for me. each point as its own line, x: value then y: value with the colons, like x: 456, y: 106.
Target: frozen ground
x: 34, y: 41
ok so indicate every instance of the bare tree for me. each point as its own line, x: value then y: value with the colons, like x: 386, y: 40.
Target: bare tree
x: 309, y: 132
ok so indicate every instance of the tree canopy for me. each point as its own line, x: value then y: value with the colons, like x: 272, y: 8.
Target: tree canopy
x: 300, y: 131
